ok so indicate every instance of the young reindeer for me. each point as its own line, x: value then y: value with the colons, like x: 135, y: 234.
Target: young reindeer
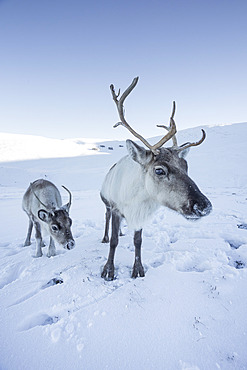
x: 141, y: 182
x: 42, y: 203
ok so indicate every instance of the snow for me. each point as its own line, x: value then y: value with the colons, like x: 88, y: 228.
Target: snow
x: 22, y: 147
x: 189, y: 312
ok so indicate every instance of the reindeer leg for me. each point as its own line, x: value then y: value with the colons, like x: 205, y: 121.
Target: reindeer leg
x: 120, y: 231
x: 108, y: 270
x: 107, y: 224
x: 29, y: 233
x: 38, y: 237
x: 138, y: 268
x: 52, y: 249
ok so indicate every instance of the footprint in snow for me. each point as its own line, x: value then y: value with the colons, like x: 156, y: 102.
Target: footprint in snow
x: 234, y: 244
x: 10, y: 249
x: 41, y: 319
x: 52, y: 282
x: 158, y: 262
x: 239, y: 265
x: 10, y: 274
x: 242, y: 226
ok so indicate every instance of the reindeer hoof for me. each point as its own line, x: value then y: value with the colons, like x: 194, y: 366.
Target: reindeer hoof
x: 27, y: 244
x: 108, y: 272
x: 39, y: 254
x: 51, y: 254
x: 137, y: 270
x: 105, y: 239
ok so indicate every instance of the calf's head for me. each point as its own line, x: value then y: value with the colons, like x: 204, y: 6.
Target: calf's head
x: 167, y: 181
x: 59, y: 226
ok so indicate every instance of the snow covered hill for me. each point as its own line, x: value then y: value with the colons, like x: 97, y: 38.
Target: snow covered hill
x: 189, y: 312
x: 14, y: 147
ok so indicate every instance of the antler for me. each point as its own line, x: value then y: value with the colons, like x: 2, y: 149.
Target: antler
x: 70, y: 196
x: 188, y: 145
x: 36, y: 196
x: 119, y: 103
x: 174, y: 139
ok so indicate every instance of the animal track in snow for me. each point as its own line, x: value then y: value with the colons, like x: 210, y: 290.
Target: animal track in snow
x: 242, y: 226
x: 156, y: 264
x: 41, y: 319
x: 52, y: 282
x: 237, y: 260
x: 239, y: 265
x: 64, y: 315
x: 10, y: 249
x: 237, y: 255
x: 234, y: 244
x: 10, y: 274
x: 159, y: 262
x: 4, y: 245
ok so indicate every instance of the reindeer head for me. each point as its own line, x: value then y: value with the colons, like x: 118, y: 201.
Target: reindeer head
x: 165, y: 169
x: 167, y: 180
x: 59, y: 224
x: 57, y: 221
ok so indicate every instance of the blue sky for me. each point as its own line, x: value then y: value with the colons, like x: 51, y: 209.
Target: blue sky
x: 59, y: 57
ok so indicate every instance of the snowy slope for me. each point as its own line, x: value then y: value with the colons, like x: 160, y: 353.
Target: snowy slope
x: 14, y: 147
x: 189, y: 312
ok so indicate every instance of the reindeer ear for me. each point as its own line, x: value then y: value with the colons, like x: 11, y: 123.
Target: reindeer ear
x: 184, y: 153
x: 66, y: 207
x: 138, y: 153
x: 43, y: 215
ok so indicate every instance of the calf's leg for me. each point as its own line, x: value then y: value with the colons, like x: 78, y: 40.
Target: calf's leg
x: 38, y: 237
x: 52, y: 249
x: 29, y: 233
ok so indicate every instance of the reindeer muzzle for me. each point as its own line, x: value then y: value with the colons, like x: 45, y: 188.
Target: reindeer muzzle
x: 70, y: 244
x: 197, y: 209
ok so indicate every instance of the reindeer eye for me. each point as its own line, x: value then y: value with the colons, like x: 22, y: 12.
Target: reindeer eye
x: 160, y: 171
x: 54, y: 228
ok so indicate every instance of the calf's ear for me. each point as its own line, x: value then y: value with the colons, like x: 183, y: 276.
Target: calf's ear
x: 138, y: 153
x: 66, y: 207
x: 43, y: 215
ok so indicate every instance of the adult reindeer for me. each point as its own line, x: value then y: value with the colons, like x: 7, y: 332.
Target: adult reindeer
x: 144, y: 180
x: 43, y: 204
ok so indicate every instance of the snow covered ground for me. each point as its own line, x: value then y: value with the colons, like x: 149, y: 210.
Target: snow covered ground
x: 190, y: 310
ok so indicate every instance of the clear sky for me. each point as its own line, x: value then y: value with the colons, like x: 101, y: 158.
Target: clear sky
x: 58, y: 58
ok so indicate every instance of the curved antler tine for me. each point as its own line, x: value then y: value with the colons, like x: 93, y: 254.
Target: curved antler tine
x: 119, y: 103
x: 188, y: 145
x: 70, y: 196
x: 171, y: 130
x: 125, y: 93
x: 173, y: 109
x: 128, y: 90
x: 36, y: 196
x: 120, y: 109
x: 174, y: 139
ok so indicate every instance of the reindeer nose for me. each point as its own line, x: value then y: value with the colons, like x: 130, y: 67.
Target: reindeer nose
x: 202, y: 207
x: 71, y: 244
x: 197, y: 208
